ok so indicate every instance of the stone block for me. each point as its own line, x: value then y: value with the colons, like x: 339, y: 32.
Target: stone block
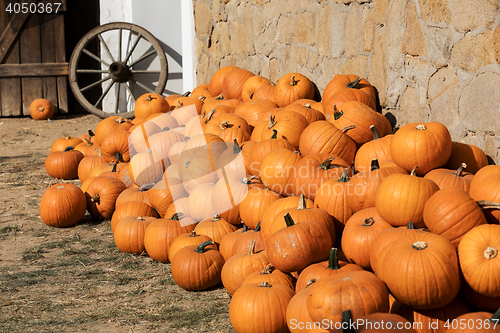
x: 323, y: 35
x: 381, y: 11
x: 202, y: 18
x: 305, y: 28
x: 254, y: 16
x: 354, y: 30
x: 435, y: 11
x: 377, y: 74
x: 394, y: 36
x: 410, y: 110
x: 395, y: 89
x: 474, y: 52
x: 443, y: 94
x: 356, y: 65
x: 479, y: 101
x: 439, y: 44
x: 496, y: 43
x: 302, y: 55
x: 313, y: 61
x: 274, y: 73
x: 225, y: 45
x: 468, y: 15
x: 237, y: 38
x: 337, y: 31
x: 285, y: 30
x: 287, y: 61
x: 416, y: 69
x: 368, y: 32
x: 264, y: 43
x: 413, y: 38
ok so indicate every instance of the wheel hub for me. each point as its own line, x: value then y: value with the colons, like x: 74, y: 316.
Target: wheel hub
x: 119, y: 72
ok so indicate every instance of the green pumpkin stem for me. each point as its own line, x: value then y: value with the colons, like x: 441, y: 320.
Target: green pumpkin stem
x: 114, y: 167
x: 118, y: 157
x: 325, y: 165
x: 245, y: 228
x: 236, y: 147
x: 410, y: 225
x: 376, y: 132
x: 193, y: 234
x: 272, y: 121
x: 345, y: 177
x: 495, y: 317
x: 175, y: 217
x: 375, y: 165
x: 354, y: 84
x: 460, y: 170
x: 220, y: 97
x: 275, y: 134
x: 293, y: 82
x: 336, y: 113
x: 186, y: 94
x: 347, y: 321
x: 257, y: 228
x: 202, y: 246
x: 288, y: 220
x: 165, y: 129
x: 68, y: 148
x: 88, y: 142
x: 91, y: 134
x: 333, y: 261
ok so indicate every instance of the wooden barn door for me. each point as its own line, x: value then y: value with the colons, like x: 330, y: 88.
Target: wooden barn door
x: 32, y: 58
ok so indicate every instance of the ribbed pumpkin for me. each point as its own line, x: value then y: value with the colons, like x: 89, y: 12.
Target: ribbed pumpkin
x: 289, y: 125
x: 480, y: 176
x: 251, y: 85
x: 264, y: 306
x: 343, y: 96
x: 197, y: 267
x: 202, y: 90
x: 115, y: 147
x: 254, y: 110
x: 469, y: 154
x: 427, y: 145
x: 63, y: 164
x: 132, y: 194
x: 359, y: 234
x: 265, y: 92
x: 323, y: 136
x: 401, y: 198
x: 129, y: 234
x: 109, y: 125
x: 62, y: 205
x: 244, y: 240
x: 187, y: 101
x: 88, y: 148
x: 147, y: 168
x: 41, y: 109
x: 445, y: 177
x: 229, y: 127
x: 485, y: 322
x: 188, y: 239
x: 259, y: 151
x: 489, y: 190
x: 306, y: 110
x: 228, y: 241
x: 139, y: 136
x: 137, y: 208
x: 61, y: 143
x: 379, y: 148
x: 164, y: 193
x: 199, y: 203
x: 232, y: 86
x: 479, y: 259
x: 426, y: 261
x: 343, y: 81
x: 451, y: 213
x: 277, y: 168
x: 316, y: 271
x: 150, y: 103
x: 271, y: 275
x: 215, y: 227
x: 253, y: 206
x: 163, y: 120
x: 217, y: 79
x: 291, y: 87
x: 163, y: 232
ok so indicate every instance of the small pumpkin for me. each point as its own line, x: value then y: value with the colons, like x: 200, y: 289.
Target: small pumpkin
x: 129, y: 234
x: 271, y: 275
x: 188, y: 239
x: 62, y: 205
x: 61, y: 143
x: 251, y: 85
x: 63, y: 164
x: 445, y: 177
x: 150, y: 103
x: 291, y: 87
x: 41, y: 109
x: 101, y: 196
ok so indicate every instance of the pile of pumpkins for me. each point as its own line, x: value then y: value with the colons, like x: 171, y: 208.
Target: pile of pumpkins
x: 303, y: 209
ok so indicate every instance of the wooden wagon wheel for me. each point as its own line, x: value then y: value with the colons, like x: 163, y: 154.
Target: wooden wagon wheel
x: 118, y: 68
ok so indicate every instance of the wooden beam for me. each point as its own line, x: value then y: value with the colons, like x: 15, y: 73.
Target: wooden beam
x: 10, y: 34
x: 33, y: 70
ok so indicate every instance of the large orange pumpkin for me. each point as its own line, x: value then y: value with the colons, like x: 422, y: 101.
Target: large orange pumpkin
x: 149, y: 104
x: 291, y: 87
x: 62, y: 205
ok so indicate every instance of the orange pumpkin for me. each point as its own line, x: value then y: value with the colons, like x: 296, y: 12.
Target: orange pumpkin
x: 150, y: 103
x: 41, y: 109
x: 62, y: 205
x: 291, y: 87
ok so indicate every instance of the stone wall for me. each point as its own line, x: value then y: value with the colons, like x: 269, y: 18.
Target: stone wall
x: 430, y: 60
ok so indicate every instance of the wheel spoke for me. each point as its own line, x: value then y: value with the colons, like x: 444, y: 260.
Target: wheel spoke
x: 92, y: 71
x: 106, y: 47
x: 105, y: 93
x: 142, y: 58
x: 95, y: 83
x: 139, y: 36
x: 120, y: 44
x: 129, y: 91
x: 142, y: 85
x: 117, y: 98
x: 140, y: 71
x: 95, y: 57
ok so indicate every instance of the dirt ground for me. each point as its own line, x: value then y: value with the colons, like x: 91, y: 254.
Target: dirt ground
x: 75, y: 279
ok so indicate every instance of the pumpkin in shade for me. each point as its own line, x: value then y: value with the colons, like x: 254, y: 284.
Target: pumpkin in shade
x: 469, y: 154
x: 401, y: 198
x: 480, y: 176
x: 359, y: 233
x: 217, y: 79
x: 360, y: 291
x: 298, y: 245
x: 445, y: 177
x: 62, y: 205
x: 488, y: 190
x: 484, y: 322
x: 451, y: 213
x: 228, y: 241
x: 101, y: 196
x: 115, y: 147
x: 347, y: 81
x: 271, y: 275
x: 150, y: 103
x: 428, y: 263
x: 480, y: 260
x: 332, y: 266
x: 158, y: 240
x: 240, y: 266
x: 232, y: 86
x: 188, y: 239
x: 63, y: 164
x: 129, y: 235
x: 109, y: 125
x: 264, y: 307
x: 41, y: 109
x: 427, y: 145
x: 197, y: 268
x: 62, y: 143
x: 292, y: 87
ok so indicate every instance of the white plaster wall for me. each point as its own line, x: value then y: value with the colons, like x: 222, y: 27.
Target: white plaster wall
x: 172, y: 23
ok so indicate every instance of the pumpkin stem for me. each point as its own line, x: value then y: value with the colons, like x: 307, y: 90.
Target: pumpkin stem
x: 275, y: 134
x: 41, y: 109
x: 265, y: 284
x: 245, y: 228
x: 368, y: 222
x: 118, y: 157
x: 412, y: 173
x: 421, y: 127
x: 333, y: 261
x: 251, y: 249
x: 375, y: 165
x: 309, y: 282
x: 257, y: 228
x: 215, y: 218
x: 483, y: 204
x: 210, y: 115
x: 272, y: 121
x: 145, y: 187
x: 121, y: 120
x: 95, y: 198
x: 225, y: 125
x: 336, y: 113
x: 179, y: 104
x: 345, y: 129
x: 347, y: 320
x: 491, y: 252
x: 268, y: 269
x: 293, y: 82
x: 326, y: 163
x: 175, y: 217
x: 186, y: 94
x: 460, y: 169
x: 68, y: 148
x: 308, y: 105
x: 202, y: 98
x: 91, y: 134
x: 165, y: 129
x: 495, y: 317
x: 410, y: 225
x: 354, y: 84
x: 376, y: 132
x: 345, y: 177
x: 114, y: 167
x: 150, y: 98
x: 202, y: 246
x: 88, y: 142
x: 220, y: 97
x: 302, y: 202
x: 288, y: 220
x: 419, y: 245
x: 193, y: 234
x: 251, y: 95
